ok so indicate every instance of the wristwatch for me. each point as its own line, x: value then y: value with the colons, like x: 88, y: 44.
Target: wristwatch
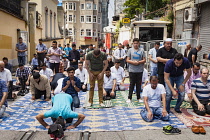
x: 182, y: 84
x: 74, y: 86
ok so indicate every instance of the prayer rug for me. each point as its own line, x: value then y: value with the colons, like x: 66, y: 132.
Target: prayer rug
x: 184, y: 104
x: 189, y: 118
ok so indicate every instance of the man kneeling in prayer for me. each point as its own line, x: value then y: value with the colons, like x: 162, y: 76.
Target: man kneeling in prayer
x: 152, y: 95
x: 61, y: 109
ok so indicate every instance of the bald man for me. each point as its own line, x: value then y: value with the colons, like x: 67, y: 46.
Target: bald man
x: 187, y: 50
x: 5, y: 74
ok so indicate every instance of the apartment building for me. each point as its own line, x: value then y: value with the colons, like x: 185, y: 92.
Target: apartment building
x: 83, y: 21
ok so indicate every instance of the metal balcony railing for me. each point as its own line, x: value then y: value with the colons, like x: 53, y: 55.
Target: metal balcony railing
x: 11, y: 6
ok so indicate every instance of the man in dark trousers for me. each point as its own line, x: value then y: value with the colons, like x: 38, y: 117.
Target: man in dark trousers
x: 163, y: 55
x: 74, y: 56
x: 41, y: 50
x: 192, y: 57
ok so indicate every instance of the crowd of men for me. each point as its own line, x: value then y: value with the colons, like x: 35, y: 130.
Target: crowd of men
x: 60, y: 74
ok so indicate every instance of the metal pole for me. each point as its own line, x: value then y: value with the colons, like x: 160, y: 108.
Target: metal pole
x: 111, y: 42
x: 64, y: 30
x: 146, y: 6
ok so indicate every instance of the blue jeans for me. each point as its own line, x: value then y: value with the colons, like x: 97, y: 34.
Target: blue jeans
x: 153, y: 71
x: 157, y: 114
x: 2, y: 110
x: 76, y: 101
x: 108, y: 91
x: 22, y: 60
x: 178, y: 81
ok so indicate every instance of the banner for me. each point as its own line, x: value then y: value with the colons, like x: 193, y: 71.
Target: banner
x: 108, y: 40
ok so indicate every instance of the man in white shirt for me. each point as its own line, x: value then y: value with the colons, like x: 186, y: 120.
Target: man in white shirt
x: 5, y: 74
x: 109, y: 85
x: 82, y: 74
x: 120, y: 54
x: 152, y: 95
x: 47, y: 72
x: 153, y: 59
x: 120, y: 75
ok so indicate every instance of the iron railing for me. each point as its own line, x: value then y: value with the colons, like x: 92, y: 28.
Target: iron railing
x: 11, y: 6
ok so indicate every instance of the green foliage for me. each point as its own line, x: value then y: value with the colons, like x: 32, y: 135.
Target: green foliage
x: 134, y: 7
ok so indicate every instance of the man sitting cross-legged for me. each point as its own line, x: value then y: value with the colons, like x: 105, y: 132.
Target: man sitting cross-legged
x: 152, y: 95
x: 61, y: 108
x: 201, y: 93
x: 109, y: 85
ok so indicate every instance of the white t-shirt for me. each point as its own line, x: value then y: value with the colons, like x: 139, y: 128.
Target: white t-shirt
x: 145, y: 76
x: 58, y: 89
x: 108, y: 81
x: 48, y: 72
x: 119, y: 73
x: 154, y: 95
x: 6, y: 75
x: 82, y: 75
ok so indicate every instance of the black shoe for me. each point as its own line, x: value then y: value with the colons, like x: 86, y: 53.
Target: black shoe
x: 19, y: 93
x: 22, y: 94
x: 178, y: 111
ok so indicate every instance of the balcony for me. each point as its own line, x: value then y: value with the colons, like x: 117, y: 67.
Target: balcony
x: 11, y: 6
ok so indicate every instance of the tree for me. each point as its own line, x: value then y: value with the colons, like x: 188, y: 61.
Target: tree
x: 135, y: 7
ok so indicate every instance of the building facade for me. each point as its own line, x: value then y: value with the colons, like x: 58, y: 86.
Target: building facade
x: 83, y: 21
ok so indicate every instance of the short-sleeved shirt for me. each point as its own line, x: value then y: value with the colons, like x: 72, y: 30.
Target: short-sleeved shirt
x: 61, y: 107
x: 202, y: 91
x: 136, y: 55
x: 21, y: 46
x: 96, y: 63
x: 53, y: 58
x: 120, y: 73
x: 153, y: 53
x: 175, y: 71
x: 154, y: 95
x: 6, y: 75
x: 21, y: 73
x: 193, y: 51
x: 41, y: 47
x: 108, y: 81
x: 34, y: 62
x: 3, y: 88
x: 48, y: 72
x: 67, y: 50
x: 163, y: 53
x: 70, y: 90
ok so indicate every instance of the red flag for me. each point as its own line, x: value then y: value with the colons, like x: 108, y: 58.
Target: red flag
x: 108, y: 39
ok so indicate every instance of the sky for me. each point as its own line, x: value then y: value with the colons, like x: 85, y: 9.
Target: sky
x: 111, y: 11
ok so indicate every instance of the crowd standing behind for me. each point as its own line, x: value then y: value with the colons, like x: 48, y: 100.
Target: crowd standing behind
x: 167, y: 68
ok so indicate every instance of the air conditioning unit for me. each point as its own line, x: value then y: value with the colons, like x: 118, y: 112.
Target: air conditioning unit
x: 190, y: 14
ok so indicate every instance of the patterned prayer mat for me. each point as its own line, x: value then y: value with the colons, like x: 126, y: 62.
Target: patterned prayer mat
x: 121, y: 98
x: 20, y: 116
x: 184, y: 104
x: 189, y: 118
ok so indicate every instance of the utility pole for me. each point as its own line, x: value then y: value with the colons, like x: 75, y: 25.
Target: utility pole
x: 146, y: 6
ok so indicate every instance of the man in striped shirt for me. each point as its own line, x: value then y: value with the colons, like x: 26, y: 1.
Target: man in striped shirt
x: 201, y: 93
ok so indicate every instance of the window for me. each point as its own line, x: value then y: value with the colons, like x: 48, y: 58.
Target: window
x: 99, y: 20
x: 88, y: 32
x: 74, y: 6
x: 66, y: 5
x: 74, y: 18
x: 82, y: 32
x: 88, y: 6
x: 94, y: 6
x: 82, y: 6
x: 99, y: 9
x: 82, y: 18
x: 70, y: 32
x: 95, y: 33
x: 94, y: 19
x: 70, y: 18
x: 70, y: 6
x: 88, y: 19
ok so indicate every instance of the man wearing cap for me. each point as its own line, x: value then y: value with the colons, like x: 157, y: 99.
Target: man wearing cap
x: 164, y: 54
x: 119, y: 54
x: 39, y: 86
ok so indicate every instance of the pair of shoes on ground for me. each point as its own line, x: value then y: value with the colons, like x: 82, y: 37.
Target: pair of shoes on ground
x: 101, y: 104
x: 170, y: 130
x: 198, y: 130
x: 139, y: 100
